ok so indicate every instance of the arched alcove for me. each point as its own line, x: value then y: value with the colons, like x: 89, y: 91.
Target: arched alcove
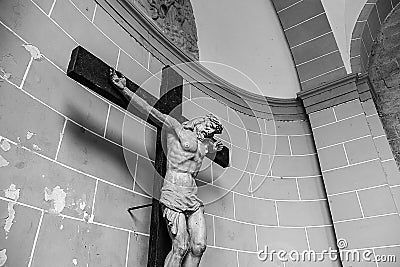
x: 368, y: 24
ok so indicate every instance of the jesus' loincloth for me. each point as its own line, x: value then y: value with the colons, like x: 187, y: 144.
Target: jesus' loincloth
x: 178, y: 199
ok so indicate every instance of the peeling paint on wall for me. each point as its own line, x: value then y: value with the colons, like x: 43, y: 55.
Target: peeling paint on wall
x: 4, y: 75
x: 4, y: 144
x: 36, y: 147
x: 29, y: 135
x: 10, y: 218
x: 57, y: 195
x: 34, y: 51
x: 81, y: 204
x: 12, y: 192
x: 3, y: 162
x: 3, y: 257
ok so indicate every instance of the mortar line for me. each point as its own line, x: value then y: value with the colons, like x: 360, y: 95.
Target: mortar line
x: 377, y: 247
x: 61, y: 138
x: 265, y: 225
x: 304, y: 21
x: 369, y: 30
x: 120, y: 228
x: 298, y: 189
x: 344, y: 142
x: 359, y: 203
x: 26, y: 73
x: 107, y: 119
x: 234, y: 206
x: 361, y: 189
x: 318, y: 57
x: 94, y: 12
x: 213, y: 221
x: 127, y: 250
x: 35, y: 240
x: 322, y: 74
x: 94, y: 199
x: 345, y: 154
x: 20, y: 203
x: 51, y: 8
x: 350, y: 165
x: 72, y: 218
x: 379, y: 136
x: 368, y: 217
x: 117, y: 63
x: 52, y: 20
x: 371, y: 115
x: 307, y: 238
x: 134, y: 177
x: 355, y: 56
x: 105, y: 35
x: 310, y: 40
x: 290, y: 146
x: 76, y: 170
x: 283, y: 9
x: 373, y: 250
x: 257, y: 244
x: 87, y: 129
x: 277, y: 214
x: 148, y: 61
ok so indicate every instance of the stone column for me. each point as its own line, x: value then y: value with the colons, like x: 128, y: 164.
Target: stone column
x: 356, y: 166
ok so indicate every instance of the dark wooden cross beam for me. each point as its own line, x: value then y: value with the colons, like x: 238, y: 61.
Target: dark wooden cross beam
x: 93, y: 73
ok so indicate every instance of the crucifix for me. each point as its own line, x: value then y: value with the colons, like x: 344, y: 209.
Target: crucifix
x: 188, y: 142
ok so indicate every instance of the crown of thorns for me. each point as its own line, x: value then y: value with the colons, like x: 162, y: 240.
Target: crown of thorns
x: 210, y: 117
x: 215, y: 121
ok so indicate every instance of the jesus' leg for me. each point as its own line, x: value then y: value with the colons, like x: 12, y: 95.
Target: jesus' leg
x: 197, y: 238
x: 180, y: 238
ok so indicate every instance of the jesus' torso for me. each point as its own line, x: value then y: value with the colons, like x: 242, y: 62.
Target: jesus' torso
x: 185, y: 155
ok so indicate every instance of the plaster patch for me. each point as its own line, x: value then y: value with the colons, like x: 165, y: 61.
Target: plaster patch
x: 4, y: 75
x: 29, y: 135
x: 10, y: 218
x: 88, y: 218
x: 57, y: 196
x: 12, y: 192
x: 36, y: 147
x: 4, y: 144
x: 34, y: 51
x: 3, y: 256
x: 3, y: 162
x: 81, y: 204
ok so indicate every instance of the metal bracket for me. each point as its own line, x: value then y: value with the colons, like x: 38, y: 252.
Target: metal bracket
x: 138, y: 207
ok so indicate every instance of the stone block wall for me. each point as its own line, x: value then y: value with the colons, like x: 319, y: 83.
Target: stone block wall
x: 271, y: 195
x: 360, y: 175
x: 69, y: 168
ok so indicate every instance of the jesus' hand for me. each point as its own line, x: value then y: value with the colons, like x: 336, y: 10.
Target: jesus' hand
x: 118, y: 80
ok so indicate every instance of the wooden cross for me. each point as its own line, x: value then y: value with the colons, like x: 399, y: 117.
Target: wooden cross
x: 93, y: 73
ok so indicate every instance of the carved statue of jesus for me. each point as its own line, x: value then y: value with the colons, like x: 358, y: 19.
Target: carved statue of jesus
x: 187, y: 145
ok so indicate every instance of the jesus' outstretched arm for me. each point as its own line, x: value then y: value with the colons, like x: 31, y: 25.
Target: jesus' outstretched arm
x: 119, y: 82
